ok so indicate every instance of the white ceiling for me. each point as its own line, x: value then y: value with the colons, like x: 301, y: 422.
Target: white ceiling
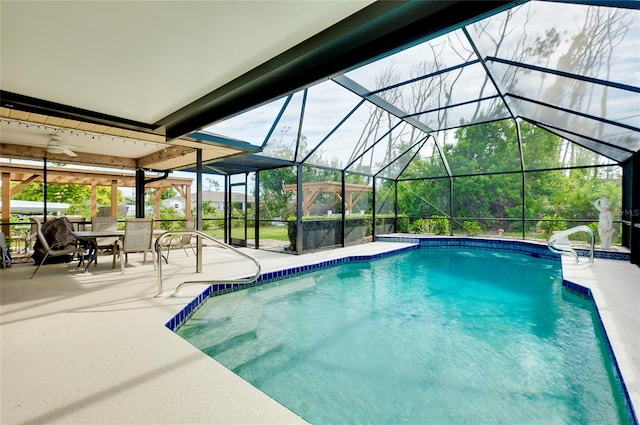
x: 142, y: 60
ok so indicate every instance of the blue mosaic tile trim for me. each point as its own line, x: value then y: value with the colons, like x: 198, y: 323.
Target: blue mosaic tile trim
x: 585, y: 292
x: 524, y: 247
x: 222, y: 288
x: 607, y: 255
x: 187, y: 311
x: 577, y: 289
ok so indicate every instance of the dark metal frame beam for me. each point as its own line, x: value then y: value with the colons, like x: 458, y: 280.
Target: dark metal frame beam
x: 374, y: 31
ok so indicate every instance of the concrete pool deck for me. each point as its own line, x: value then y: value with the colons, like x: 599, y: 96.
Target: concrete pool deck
x: 615, y: 287
x: 81, y: 348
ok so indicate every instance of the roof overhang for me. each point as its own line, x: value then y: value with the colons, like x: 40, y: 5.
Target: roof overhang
x: 127, y: 83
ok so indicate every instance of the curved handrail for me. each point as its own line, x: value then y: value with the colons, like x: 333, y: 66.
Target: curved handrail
x: 159, y: 245
x: 564, y: 234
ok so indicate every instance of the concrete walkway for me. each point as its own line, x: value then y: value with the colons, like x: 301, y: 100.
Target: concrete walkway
x: 91, y: 348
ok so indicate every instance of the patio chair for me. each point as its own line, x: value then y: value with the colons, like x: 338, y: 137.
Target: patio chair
x: 183, y: 241
x: 105, y: 223
x: 138, y: 237
x: 64, y: 247
x: 5, y: 254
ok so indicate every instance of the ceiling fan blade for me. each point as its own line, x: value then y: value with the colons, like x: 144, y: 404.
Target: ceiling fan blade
x: 69, y: 151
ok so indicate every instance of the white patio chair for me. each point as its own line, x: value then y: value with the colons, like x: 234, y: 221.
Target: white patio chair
x: 183, y: 241
x: 69, y: 247
x: 105, y: 223
x: 138, y: 237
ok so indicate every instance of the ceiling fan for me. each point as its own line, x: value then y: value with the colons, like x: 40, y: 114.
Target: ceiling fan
x: 55, y: 146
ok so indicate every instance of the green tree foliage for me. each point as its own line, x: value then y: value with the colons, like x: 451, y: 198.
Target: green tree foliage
x: 69, y: 193
x: 167, y: 193
x: 79, y: 196
x: 274, y: 200
x: 169, y: 213
x: 492, y: 148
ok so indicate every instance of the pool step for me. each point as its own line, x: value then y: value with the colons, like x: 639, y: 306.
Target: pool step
x: 250, y: 350
x: 279, y: 290
x: 229, y: 343
x: 238, y: 340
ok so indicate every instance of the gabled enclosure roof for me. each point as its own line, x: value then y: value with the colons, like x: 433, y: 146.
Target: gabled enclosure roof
x: 571, y: 68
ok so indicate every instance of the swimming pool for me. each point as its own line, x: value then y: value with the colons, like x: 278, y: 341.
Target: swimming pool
x: 428, y: 336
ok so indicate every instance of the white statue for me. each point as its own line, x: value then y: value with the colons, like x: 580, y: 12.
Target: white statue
x: 605, y: 224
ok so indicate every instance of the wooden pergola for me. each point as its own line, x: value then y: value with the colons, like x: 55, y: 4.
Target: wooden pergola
x: 27, y: 174
x: 311, y: 191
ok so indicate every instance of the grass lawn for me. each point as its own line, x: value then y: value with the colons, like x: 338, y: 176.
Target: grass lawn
x: 266, y: 232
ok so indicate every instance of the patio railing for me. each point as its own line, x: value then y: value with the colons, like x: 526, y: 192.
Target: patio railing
x: 559, y: 242
x: 173, y: 233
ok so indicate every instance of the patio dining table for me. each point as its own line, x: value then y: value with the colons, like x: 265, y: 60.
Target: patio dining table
x: 91, y: 237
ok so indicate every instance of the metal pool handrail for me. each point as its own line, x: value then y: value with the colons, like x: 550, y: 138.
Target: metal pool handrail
x: 564, y: 234
x: 198, y: 233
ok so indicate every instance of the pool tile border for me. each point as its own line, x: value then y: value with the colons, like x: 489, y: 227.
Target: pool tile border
x: 525, y: 247
x: 586, y: 293
x: 222, y: 288
x: 450, y: 242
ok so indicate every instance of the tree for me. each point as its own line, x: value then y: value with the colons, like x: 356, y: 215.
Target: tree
x: 68, y: 193
x: 274, y: 200
x: 492, y: 148
x: 78, y: 196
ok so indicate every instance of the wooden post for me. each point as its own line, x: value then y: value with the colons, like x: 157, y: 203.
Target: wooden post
x: 114, y: 198
x: 187, y: 201
x: 158, y: 199
x: 94, y: 200
x: 6, y: 204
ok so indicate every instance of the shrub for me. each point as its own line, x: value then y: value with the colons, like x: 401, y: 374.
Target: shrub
x: 168, y: 213
x: 402, y: 225
x: 472, y: 228
x: 550, y: 224
x: 439, y: 224
x: 421, y: 225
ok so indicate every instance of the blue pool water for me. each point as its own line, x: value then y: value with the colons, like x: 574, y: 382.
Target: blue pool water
x: 425, y: 337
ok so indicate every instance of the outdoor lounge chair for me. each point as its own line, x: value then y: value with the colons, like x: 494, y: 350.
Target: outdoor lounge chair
x: 138, y: 237
x: 183, y: 241
x: 64, y: 247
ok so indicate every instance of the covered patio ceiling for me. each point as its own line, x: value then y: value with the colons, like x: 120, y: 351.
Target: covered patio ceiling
x: 130, y: 84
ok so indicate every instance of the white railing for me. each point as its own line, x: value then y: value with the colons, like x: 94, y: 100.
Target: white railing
x: 559, y: 242
x: 171, y: 233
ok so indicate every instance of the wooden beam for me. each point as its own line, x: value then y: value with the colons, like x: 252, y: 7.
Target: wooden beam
x: 17, y: 188
x: 26, y: 174
x: 355, y: 201
x: 181, y: 191
x: 64, y: 175
x: 164, y: 155
x: 312, y: 190
x: 36, y: 154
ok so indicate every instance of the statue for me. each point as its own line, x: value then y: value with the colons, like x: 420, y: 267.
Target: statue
x: 605, y: 224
